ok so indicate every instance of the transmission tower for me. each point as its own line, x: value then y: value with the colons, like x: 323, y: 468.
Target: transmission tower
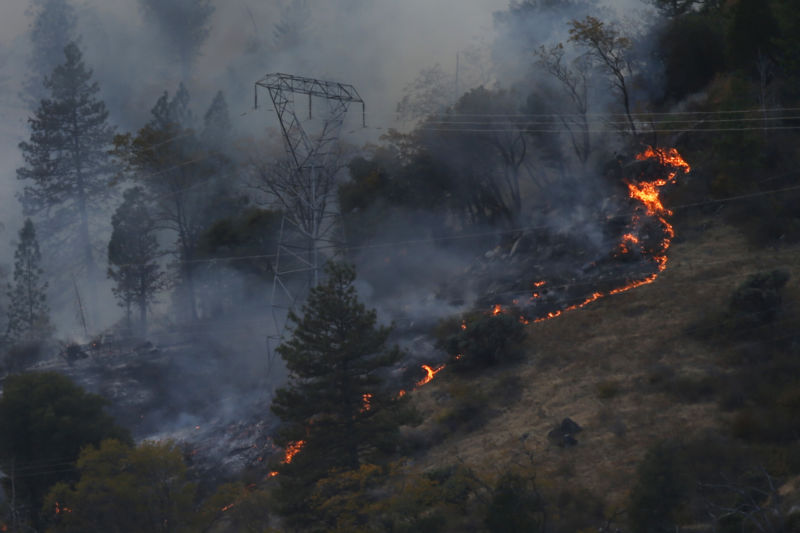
x: 305, y: 188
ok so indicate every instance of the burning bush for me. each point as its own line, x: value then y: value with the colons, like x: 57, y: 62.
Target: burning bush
x: 756, y: 301
x: 484, y: 340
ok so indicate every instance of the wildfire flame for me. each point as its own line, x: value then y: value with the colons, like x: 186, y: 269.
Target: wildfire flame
x: 60, y: 509
x: 227, y: 507
x: 365, y: 402
x: 292, y: 449
x: 431, y: 372
x: 648, y: 194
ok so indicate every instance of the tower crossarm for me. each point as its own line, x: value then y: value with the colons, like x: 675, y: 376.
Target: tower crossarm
x: 300, y: 85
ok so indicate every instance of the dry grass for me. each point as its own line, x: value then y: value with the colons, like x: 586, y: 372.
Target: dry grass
x: 627, y: 340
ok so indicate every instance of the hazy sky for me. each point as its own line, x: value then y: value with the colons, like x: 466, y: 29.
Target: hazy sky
x: 377, y: 45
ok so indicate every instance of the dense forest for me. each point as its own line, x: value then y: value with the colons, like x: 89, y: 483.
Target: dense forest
x: 554, y: 289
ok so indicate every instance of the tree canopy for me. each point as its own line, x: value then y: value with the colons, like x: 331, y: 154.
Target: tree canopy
x: 45, y: 421
x: 336, y: 403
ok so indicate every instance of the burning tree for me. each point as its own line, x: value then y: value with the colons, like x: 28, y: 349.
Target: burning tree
x: 335, y: 405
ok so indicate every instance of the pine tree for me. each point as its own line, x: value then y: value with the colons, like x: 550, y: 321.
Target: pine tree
x: 177, y: 172
x: 132, y: 254
x: 217, y: 122
x: 288, y: 33
x: 28, y: 313
x: 51, y: 29
x: 67, y: 162
x: 336, y: 402
x: 184, y: 25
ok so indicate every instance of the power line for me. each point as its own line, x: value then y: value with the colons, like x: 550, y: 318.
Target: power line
x: 488, y: 233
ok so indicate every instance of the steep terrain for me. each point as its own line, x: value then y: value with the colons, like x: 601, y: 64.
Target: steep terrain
x: 631, y: 369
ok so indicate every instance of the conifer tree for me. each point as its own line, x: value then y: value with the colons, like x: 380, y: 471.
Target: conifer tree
x: 132, y: 254
x: 183, y: 24
x: 67, y: 163
x: 28, y: 313
x: 217, y: 122
x: 336, y: 402
x: 52, y: 28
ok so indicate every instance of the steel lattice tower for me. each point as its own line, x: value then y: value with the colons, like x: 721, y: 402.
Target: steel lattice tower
x: 310, y: 214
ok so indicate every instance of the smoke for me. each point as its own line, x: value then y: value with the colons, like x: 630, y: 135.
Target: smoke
x: 138, y: 50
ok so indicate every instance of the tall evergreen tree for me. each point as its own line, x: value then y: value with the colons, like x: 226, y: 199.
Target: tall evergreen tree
x: 52, y: 28
x: 290, y: 29
x: 217, y: 122
x: 336, y: 403
x: 178, y: 173
x: 132, y: 254
x: 28, y: 313
x: 183, y: 24
x: 67, y: 163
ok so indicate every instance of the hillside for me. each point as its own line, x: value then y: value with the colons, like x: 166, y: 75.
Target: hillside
x: 624, y: 368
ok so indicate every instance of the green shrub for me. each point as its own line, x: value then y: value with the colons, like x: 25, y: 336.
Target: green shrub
x: 485, y: 340
x: 467, y: 412
x: 516, y: 505
x: 756, y: 302
x: 608, y: 389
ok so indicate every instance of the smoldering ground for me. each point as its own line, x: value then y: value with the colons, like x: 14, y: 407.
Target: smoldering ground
x: 413, y: 275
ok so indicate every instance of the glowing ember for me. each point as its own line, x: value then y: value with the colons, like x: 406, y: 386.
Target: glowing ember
x: 497, y: 309
x: 431, y: 372
x: 60, y: 509
x: 229, y: 506
x: 627, y: 240
x: 538, y: 284
x: 291, y: 450
x: 365, y: 402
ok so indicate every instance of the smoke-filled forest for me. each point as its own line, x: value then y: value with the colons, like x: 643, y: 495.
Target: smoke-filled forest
x: 375, y: 266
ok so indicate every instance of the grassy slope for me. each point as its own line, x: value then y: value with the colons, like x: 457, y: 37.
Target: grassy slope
x: 607, y: 367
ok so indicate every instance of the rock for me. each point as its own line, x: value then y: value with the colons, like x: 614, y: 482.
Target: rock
x: 570, y: 426
x: 562, y: 434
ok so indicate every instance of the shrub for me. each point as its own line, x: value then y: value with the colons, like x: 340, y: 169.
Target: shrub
x: 516, y: 505
x: 468, y: 410
x: 607, y: 389
x: 485, y: 341
x: 20, y: 356
x: 658, y: 492
x: 756, y: 301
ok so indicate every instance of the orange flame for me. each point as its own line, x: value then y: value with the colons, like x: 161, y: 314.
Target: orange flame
x: 431, y: 372
x: 628, y: 238
x: 497, y: 309
x: 230, y: 505
x: 646, y: 192
x: 291, y: 450
x: 365, y: 402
